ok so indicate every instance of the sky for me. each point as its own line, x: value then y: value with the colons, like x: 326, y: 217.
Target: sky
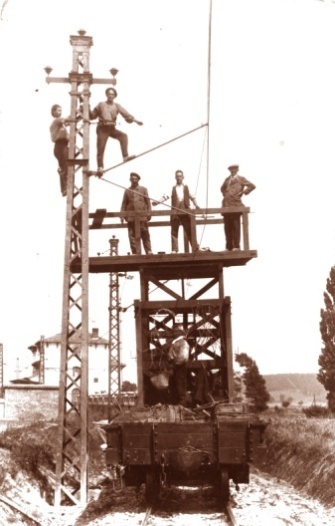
x: 272, y: 110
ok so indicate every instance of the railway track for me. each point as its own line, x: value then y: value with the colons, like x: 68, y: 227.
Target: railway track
x: 227, y: 517
x: 230, y: 516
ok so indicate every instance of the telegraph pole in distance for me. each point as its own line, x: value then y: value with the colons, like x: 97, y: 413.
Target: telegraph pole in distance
x: 1, y: 371
x: 114, y: 364
x: 72, y: 458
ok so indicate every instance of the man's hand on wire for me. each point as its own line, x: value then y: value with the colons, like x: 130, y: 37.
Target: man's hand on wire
x: 164, y: 198
x: 140, y: 123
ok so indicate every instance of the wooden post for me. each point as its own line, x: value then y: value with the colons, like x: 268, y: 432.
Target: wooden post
x: 229, y: 347
x: 245, y: 225
x: 137, y: 225
x: 193, y: 239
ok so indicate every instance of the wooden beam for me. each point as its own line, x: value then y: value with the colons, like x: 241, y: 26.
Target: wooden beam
x: 99, y: 217
x: 181, y: 305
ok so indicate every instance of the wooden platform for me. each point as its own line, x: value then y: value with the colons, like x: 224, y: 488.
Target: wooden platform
x: 201, y: 264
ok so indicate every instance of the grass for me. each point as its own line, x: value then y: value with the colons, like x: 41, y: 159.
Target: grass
x: 301, y: 451
x: 33, y: 450
x: 298, y: 449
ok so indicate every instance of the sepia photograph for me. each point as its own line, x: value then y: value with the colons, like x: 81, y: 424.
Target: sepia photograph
x: 167, y: 271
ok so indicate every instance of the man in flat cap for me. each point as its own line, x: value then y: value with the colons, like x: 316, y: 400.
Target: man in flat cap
x: 136, y: 199
x: 234, y: 186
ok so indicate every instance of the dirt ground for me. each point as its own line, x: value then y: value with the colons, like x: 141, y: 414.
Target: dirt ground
x: 266, y: 501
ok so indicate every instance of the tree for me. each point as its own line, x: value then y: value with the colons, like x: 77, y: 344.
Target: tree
x: 238, y: 387
x: 285, y: 400
x: 326, y: 375
x: 255, y: 386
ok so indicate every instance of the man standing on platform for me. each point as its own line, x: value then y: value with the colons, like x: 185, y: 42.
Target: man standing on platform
x: 181, y: 211
x: 181, y: 199
x: 234, y: 186
x: 136, y: 199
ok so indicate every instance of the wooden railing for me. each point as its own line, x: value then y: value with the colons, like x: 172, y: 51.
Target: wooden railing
x: 101, y: 219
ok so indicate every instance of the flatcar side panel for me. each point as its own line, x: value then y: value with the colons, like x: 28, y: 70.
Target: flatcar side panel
x: 233, y: 442
x: 114, y: 444
x: 137, y: 443
x: 185, y: 446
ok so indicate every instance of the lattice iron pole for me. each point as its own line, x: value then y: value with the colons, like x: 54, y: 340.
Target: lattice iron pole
x: 1, y: 370
x: 114, y: 365
x: 72, y: 459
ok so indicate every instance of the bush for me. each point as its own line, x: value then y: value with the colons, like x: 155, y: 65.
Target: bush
x: 31, y: 446
x: 317, y: 411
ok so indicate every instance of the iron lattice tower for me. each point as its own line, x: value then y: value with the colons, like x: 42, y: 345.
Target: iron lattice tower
x: 114, y: 386
x: 72, y: 459
x: 1, y: 370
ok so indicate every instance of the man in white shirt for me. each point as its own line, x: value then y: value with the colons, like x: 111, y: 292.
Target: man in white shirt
x: 181, y: 212
x: 107, y: 113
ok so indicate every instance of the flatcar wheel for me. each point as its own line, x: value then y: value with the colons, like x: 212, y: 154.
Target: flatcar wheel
x: 223, y: 486
x: 152, y: 487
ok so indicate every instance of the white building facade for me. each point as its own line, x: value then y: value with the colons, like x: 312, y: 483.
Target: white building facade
x: 45, y: 365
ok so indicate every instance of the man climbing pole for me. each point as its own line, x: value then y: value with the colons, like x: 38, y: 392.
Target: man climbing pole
x: 107, y: 113
x: 60, y: 137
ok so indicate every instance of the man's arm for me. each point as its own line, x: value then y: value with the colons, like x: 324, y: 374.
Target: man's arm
x: 147, y: 201
x: 164, y: 198
x: 126, y: 115
x: 193, y: 199
x: 247, y: 186
x: 124, y: 205
x: 224, y: 186
x: 93, y: 114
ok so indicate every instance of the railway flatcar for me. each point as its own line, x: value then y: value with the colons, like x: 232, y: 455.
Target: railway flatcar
x: 186, y: 429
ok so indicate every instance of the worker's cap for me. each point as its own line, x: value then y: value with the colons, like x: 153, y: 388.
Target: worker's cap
x: 133, y: 174
x: 232, y: 166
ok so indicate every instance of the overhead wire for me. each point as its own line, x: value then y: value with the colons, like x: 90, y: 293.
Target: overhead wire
x: 209, y: 58
x: 184, y: 211
x: 159, y: 146
x: 170, y: 206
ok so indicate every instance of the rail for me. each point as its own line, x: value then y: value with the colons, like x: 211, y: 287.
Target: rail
x: 227, y: 519
x: 101, y: 219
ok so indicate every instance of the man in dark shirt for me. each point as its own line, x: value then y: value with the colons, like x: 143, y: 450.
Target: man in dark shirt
x: 136, y: 199
x: 234, y: 186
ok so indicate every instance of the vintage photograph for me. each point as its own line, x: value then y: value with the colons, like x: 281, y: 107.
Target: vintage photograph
x: 167, y: 272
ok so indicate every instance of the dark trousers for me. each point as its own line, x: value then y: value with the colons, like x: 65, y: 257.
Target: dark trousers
x: 178, y: 384
x: 232, y: 228
x: 176, y: 221
x: 103, y: 132
x: 61, y: 152
x: 145, y: 236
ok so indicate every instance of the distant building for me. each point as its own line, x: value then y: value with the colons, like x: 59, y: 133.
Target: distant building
x: 45, y: 364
